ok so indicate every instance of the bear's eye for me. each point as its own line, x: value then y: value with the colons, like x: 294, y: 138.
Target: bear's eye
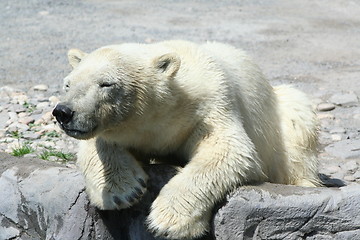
x: 106, y: 84
x: 66, y: 87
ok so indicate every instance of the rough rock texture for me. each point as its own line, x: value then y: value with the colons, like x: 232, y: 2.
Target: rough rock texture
x: 270, y: 211
x: 44, y: 200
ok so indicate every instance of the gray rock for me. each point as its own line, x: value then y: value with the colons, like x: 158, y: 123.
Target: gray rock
x: 41, y: 87
x: 270, y: 211
x: 22, y: 99
x: 45, y: 200
x: 357, y: 174
x: 336, y: 137
x: 350, y: 166
x: 20, y: 109
x: 23, y: 114
x: 7, y: 232
x: 345, y: 149
x: 13, y: 116
x: 26, y: 120
x: 349, y: 178
x: 42, y: 105
x: 4, y: 117
x: 338, y: 175
x: 37, y: 112
x: 52, y: 158
x: 53, y: 100
x: 14, y: 127
x: 325, y: 116
x: 337, y: 130
x: 2, y: 133
x: 31, y: 135
x: 324, y: 107
x: 344, y: 99
x: 41, y: 98
x: 331, y: 169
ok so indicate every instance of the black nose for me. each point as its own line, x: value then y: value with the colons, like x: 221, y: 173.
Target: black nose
x: 63, y: 114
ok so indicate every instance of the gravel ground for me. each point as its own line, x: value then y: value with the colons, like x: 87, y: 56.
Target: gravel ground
x: 27, y: 126
x: 313, y: 45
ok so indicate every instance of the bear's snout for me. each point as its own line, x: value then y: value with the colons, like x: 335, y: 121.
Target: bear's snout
x: 63, y: 114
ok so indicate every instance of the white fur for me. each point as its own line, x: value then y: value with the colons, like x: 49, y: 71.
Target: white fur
x: 210, y: 105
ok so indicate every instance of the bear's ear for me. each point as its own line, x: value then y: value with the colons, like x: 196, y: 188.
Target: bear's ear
x: 168, y: 63
x: 75, y: 56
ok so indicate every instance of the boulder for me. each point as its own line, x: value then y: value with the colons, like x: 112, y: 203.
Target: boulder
x: 271, y: 211
x: 45, y: 200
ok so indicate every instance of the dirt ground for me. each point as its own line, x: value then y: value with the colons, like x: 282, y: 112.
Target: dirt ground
x: 310, y: 43
x: 314, y: 45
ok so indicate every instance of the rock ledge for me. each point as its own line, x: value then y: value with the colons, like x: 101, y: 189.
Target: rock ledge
x: 44, y: 200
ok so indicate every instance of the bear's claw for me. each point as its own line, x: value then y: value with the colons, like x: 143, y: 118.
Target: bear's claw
x: 117, y: 201
x: 126, y: 200
x: 135, y: 196
x: 142, y: 182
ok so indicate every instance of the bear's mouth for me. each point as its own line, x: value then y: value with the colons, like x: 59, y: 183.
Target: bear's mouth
x: 78, y: 134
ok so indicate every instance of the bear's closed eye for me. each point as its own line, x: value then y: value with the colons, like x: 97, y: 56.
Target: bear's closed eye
x: 106, y: 84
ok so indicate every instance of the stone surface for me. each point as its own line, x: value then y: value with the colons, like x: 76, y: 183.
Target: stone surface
x: 325, y: 116
x: 26, y: 120
x: 31, y: 136
x: 45, y: 200
x: 271, y: 211
x: 345, y: 149
x: 336, y: 137
x: 324, y: 107
x: 357, y: 174
x: 53, y: 100
x: 4, y: 117
x: 338, y: 130
x: 41, y: 87
x: 42, y: 105
x: 344, y: 99
x: 331, y: 169
x: 350, y: 165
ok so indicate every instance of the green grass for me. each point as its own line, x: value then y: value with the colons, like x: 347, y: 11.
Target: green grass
x: 16, y: 134
x: 29, y: 106
x: 31, y: 125
x: 52, y: 134
x: 22, y: 150
x: 45, y: 155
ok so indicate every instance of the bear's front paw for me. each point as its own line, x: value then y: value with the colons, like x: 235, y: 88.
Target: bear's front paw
x: 128, y: 195
x: 177, y: 218
x: 117, y: 191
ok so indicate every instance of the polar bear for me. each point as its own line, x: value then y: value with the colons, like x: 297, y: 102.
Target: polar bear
x: 209, y: 105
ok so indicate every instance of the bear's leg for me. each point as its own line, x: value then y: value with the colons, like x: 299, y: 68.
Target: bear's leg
x: 113, y: 177
x: 219, y: 163
x: 299, y: 127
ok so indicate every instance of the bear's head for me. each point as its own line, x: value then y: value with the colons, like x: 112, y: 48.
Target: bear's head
x: 111, y: 86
